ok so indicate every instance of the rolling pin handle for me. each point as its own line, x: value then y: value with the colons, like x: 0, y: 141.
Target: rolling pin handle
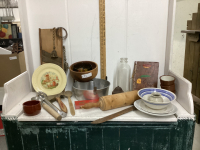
x: 52, y: 112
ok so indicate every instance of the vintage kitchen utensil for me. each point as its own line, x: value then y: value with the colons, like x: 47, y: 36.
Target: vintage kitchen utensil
x: 104, y: 119
x: 137, y: 105
x: 49, y: 78
x: 51, y: 111
x: 167, y: 96
x: 86, y: 90
x: 46, y: 48
x: 68, y: 94
x: 61, y: 104
x: 54, y: 53
x: 43, y: 97
x: 84, y: 76
x: 114, y: 101
x: 32, y: 108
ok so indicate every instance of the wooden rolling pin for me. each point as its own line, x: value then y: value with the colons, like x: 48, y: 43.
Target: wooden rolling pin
x: 52, y: 112
x: 114, y: 101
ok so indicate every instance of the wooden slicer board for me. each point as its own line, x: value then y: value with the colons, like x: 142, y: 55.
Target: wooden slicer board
x: 102, y: 38
x: 46, y: 43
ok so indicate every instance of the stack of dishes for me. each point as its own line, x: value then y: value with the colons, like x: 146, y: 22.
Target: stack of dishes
x: 156, y: 102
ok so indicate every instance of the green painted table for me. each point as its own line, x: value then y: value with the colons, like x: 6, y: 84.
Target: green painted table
x: 132, y: 131
x: 107, y: 136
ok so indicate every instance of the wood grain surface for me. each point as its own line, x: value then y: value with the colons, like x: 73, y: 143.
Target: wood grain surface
x: 192, y: 54
x: 46, y: 43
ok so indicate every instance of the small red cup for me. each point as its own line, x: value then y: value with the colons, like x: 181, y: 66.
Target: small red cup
x: 32, y: 107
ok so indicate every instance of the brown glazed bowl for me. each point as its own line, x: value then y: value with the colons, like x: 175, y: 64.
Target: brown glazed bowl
x: 167, y: 80
x: 32, y: 107
x: 84, y: 76
x: 169, y: 87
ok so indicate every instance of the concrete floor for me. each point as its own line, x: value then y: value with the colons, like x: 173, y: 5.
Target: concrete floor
x: 3, y: 145
x: 196, y: 143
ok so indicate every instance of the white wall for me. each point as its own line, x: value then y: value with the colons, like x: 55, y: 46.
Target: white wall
x: 184, y: 10
x: 135, y: 29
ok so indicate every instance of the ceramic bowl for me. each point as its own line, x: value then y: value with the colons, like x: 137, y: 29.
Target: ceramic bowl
x: 167, y: 96
x: 169, y: 87
x: 32, y: 107
x: 84, y: 76
x: 167, y: 80
x: 155, y: 97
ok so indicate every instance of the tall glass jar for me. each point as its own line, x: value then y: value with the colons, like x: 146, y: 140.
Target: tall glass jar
x: 123, y: 75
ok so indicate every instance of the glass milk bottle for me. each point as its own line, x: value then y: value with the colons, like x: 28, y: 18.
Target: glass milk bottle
x: 123, y: 75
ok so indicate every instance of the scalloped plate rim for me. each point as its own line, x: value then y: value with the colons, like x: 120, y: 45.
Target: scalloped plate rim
x: 54, y: 67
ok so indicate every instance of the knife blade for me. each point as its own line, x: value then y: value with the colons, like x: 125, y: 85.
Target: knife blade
x: 104, y: 119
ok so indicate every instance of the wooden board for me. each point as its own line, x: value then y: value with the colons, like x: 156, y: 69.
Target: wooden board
x: 192, y: 53
x: 187, y: 51
x: 198, y: 59
x: 192, y: 48
x: 46, y: 43
x: 198, y: 18
x: 106, y: 136
x: 102, y: 38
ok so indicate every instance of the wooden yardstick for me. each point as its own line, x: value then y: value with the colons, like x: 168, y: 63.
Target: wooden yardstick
x: 102, y: 38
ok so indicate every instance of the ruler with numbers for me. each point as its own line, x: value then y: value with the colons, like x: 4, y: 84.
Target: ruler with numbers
x: 102, y: 38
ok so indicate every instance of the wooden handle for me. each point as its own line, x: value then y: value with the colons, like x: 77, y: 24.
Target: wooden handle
x: 90, y: 105
x: 71, y: 106
x: 52, y: 112
x: 61, y: 104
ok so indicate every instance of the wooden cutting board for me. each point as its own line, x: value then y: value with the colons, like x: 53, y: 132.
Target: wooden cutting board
x: 46, y: 43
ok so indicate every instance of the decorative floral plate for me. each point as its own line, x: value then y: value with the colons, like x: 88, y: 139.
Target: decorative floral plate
x: 49, y: 78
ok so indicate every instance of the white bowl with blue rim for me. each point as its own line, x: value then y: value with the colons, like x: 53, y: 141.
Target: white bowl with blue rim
x: 167, y: 96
